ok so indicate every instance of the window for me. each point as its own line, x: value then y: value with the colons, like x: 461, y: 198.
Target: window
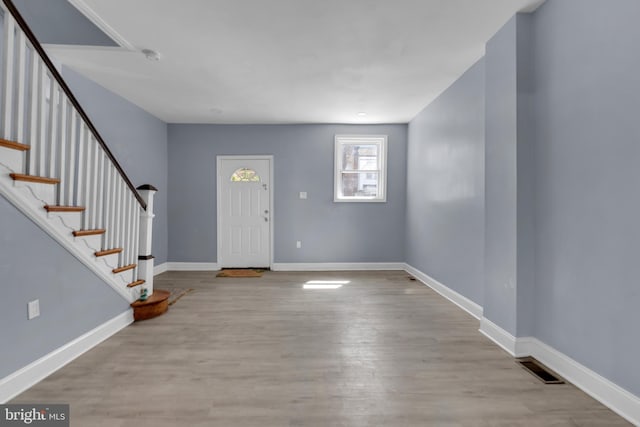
x: 245, y: 175
x: 360, y: 168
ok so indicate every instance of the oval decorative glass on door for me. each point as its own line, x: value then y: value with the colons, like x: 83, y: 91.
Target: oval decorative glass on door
x: 245, y: 175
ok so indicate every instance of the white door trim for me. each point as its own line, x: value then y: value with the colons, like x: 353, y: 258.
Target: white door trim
x: 219, y: 160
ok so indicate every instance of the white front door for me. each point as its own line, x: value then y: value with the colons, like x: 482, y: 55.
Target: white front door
x: 244, y: 211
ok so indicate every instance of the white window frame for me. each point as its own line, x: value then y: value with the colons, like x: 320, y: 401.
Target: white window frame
x: 381, y: 142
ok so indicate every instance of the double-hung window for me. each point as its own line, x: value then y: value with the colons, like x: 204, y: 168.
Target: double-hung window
x: 360, y: 168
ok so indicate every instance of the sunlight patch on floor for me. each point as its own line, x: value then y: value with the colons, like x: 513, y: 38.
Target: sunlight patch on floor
x: 325, y: 284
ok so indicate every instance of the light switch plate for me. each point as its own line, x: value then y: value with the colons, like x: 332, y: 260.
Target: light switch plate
x: 303, y: 194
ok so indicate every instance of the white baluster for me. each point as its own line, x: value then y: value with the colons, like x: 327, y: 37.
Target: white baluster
x: 100, y: 175
x: 22, y: 77
x: 136, y: 235
x: 93, y: 192
x: 111, y: 223
x: 52, y: 140
x: 123, y: 222
x: 80, y: 201
x: 108, y: 190
x: 112, y: 226
x: 118, y: 215
x: 132, y: 232
x: 73, y: 147
x: 64, y: 153
x: 42, y: 120
x: 113, y: 214
x: 88, y: 162
x: 127, y: 226
x: 36, y: 79
x: 123, y: 215
x: 7, y: 83
x: 115, y: 210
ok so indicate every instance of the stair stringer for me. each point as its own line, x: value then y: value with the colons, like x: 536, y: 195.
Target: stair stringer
x: 28, y: 202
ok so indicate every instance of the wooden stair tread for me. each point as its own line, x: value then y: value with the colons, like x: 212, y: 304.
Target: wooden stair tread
x: 83, y: 233
x: 124, y: 268
x: 14, y: 145
x: 33, y: 178
x: 155, y: 305
x: 52, y: 208
x: 108, y: 252
x: 136, y: 283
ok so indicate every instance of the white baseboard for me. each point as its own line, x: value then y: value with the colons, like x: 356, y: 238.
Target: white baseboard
x: 336, y: 266
x: 319, y: 266
x: 160, y: 268
x: 35, y: 372
x: 525, y: 346
x: 502, y: 338
x: 187, y: 266
x: 461, y: 301
x: 619, y: 400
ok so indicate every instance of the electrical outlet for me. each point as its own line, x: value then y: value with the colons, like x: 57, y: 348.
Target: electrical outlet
x: 298, y: 244
x: 303, y: 194
x: 33, y: 309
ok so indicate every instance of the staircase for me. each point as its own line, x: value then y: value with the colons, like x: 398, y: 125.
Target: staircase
x: 56, y: 168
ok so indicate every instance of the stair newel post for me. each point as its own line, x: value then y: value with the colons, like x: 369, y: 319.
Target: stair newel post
x: 145, y: 259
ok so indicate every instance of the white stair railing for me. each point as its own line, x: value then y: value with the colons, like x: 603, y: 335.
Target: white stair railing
x: 39, y: 110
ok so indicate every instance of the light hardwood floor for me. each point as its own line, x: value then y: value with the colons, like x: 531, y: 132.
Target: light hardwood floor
x: 380, y: 351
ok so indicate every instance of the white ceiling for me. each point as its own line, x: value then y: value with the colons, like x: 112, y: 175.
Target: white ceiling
x: 287, y: 61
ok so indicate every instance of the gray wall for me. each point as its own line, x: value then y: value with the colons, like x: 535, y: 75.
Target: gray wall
x: 445, y: 187
x: 525, y: 206
x: 303, y: 161
x: 509, y: 137
x: 136, y: 138
x: 73, y: 300
x: 562, y: 99
x: 587, y: 198
x: 500, y: 179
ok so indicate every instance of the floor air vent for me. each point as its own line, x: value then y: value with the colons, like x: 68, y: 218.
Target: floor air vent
x: 539, y: 371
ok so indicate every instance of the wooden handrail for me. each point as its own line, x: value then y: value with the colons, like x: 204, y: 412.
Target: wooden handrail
x: 54, y: 72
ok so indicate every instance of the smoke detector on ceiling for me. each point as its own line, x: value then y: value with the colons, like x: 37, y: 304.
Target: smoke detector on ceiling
x: 151, y: 55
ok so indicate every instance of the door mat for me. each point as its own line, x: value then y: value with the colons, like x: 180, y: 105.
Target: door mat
x: 240, y: 273
x: 177, y: 293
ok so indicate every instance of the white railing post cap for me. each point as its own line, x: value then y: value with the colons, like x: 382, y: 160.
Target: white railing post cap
x: 147, y: 191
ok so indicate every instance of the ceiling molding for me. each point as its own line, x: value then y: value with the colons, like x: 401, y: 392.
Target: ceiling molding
x: 92, y: 16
